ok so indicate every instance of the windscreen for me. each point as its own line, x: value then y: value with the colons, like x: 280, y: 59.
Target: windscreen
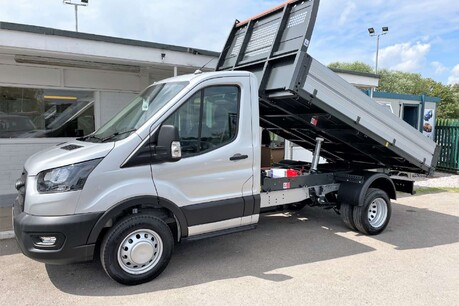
x: 136, y: 113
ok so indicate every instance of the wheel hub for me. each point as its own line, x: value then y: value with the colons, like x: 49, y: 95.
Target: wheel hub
x: 140, y: 251
x: 377, y: 212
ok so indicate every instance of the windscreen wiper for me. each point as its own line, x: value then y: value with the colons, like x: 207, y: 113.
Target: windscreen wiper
x: 117, y: 134
x: 84, y: 138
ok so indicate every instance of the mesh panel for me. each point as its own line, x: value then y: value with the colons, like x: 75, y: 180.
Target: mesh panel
x: 296, y: 20
x: 237, y: 46
x: 262, y: 39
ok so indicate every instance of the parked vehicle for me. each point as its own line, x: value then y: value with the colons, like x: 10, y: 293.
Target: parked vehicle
x: 70, y: 123
x: 13, y: 125
x: 182, y: 160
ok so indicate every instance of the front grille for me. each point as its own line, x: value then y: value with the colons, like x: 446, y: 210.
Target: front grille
x: 22, y: 191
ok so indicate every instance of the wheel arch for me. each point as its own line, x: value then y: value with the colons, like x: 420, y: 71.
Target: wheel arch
x: 386, y: 184
x: 145, y: 202
x: 354, y: 193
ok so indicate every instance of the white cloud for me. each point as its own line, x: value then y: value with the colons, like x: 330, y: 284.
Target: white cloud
x: 405, y: 56
x: 347, y: 12
x: 454, y: 77
x: 439, y: 67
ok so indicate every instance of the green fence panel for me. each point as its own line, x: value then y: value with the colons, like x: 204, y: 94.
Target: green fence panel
x: 447, y: 136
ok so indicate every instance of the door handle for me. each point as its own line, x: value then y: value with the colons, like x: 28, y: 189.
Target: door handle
x: 238, y: 156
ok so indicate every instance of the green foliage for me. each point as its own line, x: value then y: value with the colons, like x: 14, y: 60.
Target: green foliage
x: 414, y: 84
x: 355, y: 66
x: 403, y: 82
x: 449, y: 105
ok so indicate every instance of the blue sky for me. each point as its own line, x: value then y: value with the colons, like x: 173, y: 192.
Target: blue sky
x: 423, y: 34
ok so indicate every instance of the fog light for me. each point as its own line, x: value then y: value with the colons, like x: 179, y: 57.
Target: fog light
x: 47, y: 241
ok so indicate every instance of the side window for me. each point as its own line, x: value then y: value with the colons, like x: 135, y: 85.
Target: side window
x: 208, y: 120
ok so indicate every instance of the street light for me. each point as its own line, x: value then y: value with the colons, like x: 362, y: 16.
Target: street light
x: 372, y: 33
x: 76, y: 4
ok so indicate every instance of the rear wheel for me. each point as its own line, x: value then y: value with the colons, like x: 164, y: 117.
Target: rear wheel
x: 137, y: 249
x: 373, y: 217
x: 346, y: 212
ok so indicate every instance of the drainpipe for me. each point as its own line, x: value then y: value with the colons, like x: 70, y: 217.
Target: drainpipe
x: 423, y: 106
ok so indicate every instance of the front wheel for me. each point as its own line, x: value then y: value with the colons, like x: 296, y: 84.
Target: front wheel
x: 373, y: 217
x: 137, y: 249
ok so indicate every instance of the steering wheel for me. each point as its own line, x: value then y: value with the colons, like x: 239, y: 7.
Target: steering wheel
x: 206, y: 145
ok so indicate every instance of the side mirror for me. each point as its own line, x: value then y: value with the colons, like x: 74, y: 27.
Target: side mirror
x: 168, y: 144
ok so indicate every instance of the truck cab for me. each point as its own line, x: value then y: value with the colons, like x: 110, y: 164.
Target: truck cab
x: 186, y: 147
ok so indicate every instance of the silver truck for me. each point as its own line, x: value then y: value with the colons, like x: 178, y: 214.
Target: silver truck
x: 182, y: 160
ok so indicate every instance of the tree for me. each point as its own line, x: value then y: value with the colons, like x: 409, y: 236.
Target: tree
x: 413, y: 84
x: 354, y: 66
x: 403, y: 82
x: 449, y: 105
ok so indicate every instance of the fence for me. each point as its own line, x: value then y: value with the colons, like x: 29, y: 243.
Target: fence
x: 447, y: 135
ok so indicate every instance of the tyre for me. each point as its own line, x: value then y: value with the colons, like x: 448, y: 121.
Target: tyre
x: 373, y: 217
x: 346, y: 211
x: 136, y: 249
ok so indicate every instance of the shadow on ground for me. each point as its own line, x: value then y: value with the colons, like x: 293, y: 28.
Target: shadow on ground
x: 9, y: 247
x: 281, y: 240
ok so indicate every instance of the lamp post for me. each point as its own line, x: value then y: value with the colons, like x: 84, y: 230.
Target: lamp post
x: 372, y: 33
x: 76, y: 4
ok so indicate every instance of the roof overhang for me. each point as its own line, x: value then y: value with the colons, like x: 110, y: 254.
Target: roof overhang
x: 47, y: 46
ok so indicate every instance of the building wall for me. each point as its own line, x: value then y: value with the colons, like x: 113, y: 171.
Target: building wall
x: 14, y: 152
x: 112, y: 90
x: 397, y: 107
x: 12, y: 158
x: 111, y: 102
x: 360, y: 81
x: 396, y: 104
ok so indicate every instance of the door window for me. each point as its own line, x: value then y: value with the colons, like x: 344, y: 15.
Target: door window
x: 208, y: 120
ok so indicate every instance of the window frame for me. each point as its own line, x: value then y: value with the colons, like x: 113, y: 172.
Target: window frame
x: 201, y: 112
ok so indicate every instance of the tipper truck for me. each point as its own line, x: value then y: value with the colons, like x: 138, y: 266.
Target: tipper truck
x: 183, y: 159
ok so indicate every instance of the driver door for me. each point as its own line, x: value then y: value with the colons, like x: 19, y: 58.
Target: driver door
x: 212, y: 183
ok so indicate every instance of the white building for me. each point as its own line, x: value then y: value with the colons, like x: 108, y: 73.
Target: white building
x: 56, y: 85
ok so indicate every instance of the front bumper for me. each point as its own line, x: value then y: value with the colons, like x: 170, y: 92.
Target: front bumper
x: 71, y: 231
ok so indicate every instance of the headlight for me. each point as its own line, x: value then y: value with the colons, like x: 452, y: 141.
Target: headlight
x: 67, y: 178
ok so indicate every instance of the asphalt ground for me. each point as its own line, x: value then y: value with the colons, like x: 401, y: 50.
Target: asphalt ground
x: 305, y: 258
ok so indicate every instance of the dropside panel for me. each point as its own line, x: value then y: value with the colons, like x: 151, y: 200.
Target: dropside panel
x: 358, y: 132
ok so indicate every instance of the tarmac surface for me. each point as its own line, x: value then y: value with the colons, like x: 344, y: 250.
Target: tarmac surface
x: 291, y: 258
